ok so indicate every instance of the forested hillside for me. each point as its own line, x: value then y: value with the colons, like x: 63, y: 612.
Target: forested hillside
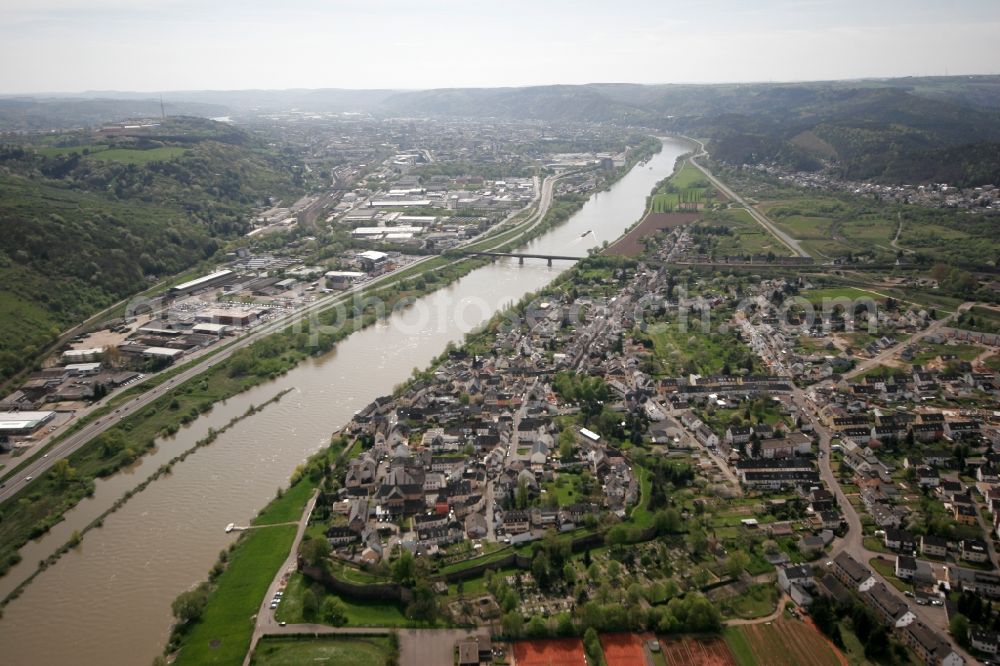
x: 87, y: 221
x: 901, y: 130
x: 881, y: 134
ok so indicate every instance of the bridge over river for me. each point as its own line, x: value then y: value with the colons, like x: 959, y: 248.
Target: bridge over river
x: 521, y: 256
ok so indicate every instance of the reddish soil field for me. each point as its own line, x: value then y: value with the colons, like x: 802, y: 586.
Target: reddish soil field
x: 551, y: 652
x: 623, y: 649
x: 687, y: 651
x: 788, y: 643
x: 630, y: 245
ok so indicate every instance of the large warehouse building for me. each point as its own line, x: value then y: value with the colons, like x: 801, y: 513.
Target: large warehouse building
x: 23, y: 423
x: 206, y: 281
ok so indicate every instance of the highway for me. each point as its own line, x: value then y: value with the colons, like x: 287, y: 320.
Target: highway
x: 18, y: 479
x: 761, y: 219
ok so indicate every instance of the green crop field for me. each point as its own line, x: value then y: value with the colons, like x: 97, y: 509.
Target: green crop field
x: 832, y: 293
x: 342, y: 651
x: 130, y: 156
x: 53, y: 151
x: 739, y: 646
x: 359, y: 613
x: 688, y: 189
x: 745, y: 235
x: 690, y: 176
x: 127, y: 155
x: 837, y: 226
x: 829, y: 227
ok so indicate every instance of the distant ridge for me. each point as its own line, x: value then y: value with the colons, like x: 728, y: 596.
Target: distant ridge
x: 892, y: 130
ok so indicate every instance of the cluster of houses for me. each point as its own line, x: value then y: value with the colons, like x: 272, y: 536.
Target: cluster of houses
x: 928, y: 644
x: 764, y: 457
x: 945, y: 377
x: 933, y: 195
x: 929, y: 438
x: 471, y: 451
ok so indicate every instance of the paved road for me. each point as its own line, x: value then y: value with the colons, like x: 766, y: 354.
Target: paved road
x: 761, y: 219
x: 14, y: 483
x: 491, y: 505
x: 853, y: 543
x: 693, y: 442
x: 265, y: 616
x: 891, y: 352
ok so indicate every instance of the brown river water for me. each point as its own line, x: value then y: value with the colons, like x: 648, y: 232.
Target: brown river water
x: 108, y: 601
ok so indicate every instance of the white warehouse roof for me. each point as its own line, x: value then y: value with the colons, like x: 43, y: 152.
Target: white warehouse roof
x: 205, y: 278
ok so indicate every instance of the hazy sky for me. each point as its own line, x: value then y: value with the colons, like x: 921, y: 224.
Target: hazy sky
x: 148, y: 45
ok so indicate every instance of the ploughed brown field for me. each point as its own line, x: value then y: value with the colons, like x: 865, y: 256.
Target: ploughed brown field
x: 623, y: 649
x: 549, y: 652
x: 790, y: 643
x: 688, y: 651
x: 630, y: 245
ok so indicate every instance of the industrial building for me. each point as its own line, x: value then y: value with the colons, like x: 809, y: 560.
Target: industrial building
x: 372, y: 259
x: 342, y: 279
x: 82, y: 355
x: 205, y: 282
x: 163, y: 352
x: 229, y: 317
x: 13, y: 424
x: 401, y: 203
x: 82, y: 369
x: 380, y: 233
x: 211, y: 329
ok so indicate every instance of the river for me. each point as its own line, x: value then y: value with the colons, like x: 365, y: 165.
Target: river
x: 108, y: 600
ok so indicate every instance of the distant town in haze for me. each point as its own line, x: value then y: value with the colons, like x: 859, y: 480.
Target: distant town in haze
x: 369, y: 372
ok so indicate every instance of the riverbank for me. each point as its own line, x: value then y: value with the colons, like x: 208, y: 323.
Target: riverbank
x: 77, y: 537
x: 51, y: 495
x: 165, y: 538
x: 221, y: 632
x: 641, y: 525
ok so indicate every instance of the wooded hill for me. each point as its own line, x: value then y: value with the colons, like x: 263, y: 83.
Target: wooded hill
x: 943, y: 129
x: 86, y: 221
x: 907, y: 130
